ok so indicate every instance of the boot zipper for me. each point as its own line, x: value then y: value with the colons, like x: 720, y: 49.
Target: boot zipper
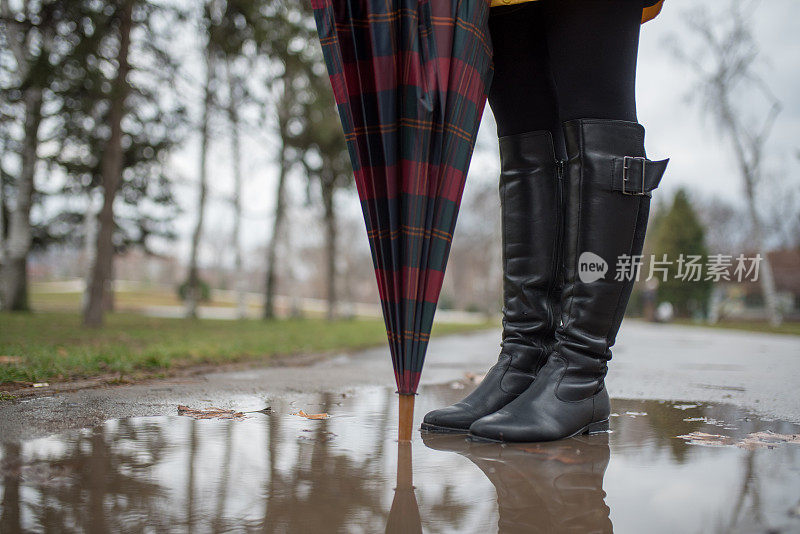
x: 558, y: 256
x: 560, y: 163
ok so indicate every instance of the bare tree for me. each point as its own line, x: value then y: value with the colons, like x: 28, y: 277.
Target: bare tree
x: 3, y: 210
x: 290, y: 23
x: 235, y: 86
x: 725, y: 64
x: 722, y: 221
x: 14, y: 254
x: 326, y: 161
x: 111, y: 169
x: 279, y: 218
x: 193, y: 292
x: 330, y: 181
x: 327, y: 165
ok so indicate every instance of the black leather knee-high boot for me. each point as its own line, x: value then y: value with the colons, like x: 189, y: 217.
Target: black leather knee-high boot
x: 530, y: 199
x: 607, y: 185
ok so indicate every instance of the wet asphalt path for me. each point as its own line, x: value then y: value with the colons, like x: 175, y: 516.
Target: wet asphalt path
x: 757, y: 371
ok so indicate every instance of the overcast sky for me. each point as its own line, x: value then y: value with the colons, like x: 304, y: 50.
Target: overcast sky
x: 699, y: 158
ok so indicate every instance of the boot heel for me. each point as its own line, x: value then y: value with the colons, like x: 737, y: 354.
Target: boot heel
x: 594, y: 428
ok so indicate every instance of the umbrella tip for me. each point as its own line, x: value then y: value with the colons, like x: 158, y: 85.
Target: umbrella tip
x: 406, y: 420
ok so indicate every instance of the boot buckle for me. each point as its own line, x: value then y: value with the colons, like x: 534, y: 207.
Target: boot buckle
x: 626, y: 167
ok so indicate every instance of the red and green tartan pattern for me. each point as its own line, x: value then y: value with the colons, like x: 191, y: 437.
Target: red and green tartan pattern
x: 410, y: 79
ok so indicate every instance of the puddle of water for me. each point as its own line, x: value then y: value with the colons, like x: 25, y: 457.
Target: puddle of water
x: 282, y: 473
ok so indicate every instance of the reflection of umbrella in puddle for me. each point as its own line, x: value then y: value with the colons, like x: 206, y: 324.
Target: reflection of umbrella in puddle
x: 541, y: 487
x: 410, y: 81
x: 404, y: 515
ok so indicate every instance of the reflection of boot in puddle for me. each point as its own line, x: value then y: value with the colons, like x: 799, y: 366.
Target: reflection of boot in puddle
x: 542, y: 487
x: 404, y: 515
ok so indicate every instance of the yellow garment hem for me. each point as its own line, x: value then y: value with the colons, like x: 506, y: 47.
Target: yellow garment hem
x: 648, y: 13
x: 507, y: 2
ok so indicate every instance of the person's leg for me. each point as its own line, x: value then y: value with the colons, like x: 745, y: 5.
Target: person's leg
x: 593, y: 47
x: 522, y: 95
x: 530, y: 202
x: 607, y: 184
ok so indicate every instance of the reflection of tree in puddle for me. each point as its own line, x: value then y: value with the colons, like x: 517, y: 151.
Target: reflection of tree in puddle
x: 546, y: 487
x: 664, y: 421
x: 325, y: 490
x: 93, y: 486
x: 167, y: 473
x: 9, y: 516
x: 284, y: 474
x: 559, y: 486
x: 657, y: 429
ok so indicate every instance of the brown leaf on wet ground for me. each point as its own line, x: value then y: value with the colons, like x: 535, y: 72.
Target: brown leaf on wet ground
x: 210, y: 413
x: 10, y: 360
x: 754, y: 440
x: 301, y: 413
x: 760, y: 440
x: 704, y: 438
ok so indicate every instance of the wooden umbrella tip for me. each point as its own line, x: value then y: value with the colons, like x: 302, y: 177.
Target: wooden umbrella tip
x: 406, y: 420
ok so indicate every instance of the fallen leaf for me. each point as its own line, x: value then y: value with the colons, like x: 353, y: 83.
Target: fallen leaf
x: 40, y: 384
x: 301, y: 413
x: 703, y: 438
x: 10, y: 359
x: 210, y: 413
x: 775, y: 437
x: 753, y: 441
x: 769, y: 440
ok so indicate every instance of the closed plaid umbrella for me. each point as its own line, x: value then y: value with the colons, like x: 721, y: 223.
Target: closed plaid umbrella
x: 410, y: 79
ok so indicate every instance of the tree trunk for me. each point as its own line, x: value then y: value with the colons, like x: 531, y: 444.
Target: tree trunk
x: 90, y: 244
x: 111, y: 168
x: 15, y: 281
x: 749, y: 172
x: 750, y: 169
x: 3, y: 214
x: 108, y: 296
x: 99, y: 481
x: 330, y: 249
x: 193, y: 280
x: 765, y: 278
x: 236, y: 155
x: 11, y: 504
x: 277, y: 230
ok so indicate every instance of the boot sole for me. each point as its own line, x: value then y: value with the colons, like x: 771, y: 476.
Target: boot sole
x: 597, y: 427
x: 443, y: 429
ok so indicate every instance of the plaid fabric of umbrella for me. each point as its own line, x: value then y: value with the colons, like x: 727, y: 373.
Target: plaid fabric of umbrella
x: 410, y: 79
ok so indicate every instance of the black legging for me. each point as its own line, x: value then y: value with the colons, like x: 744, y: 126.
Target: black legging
x: 557, y: 60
